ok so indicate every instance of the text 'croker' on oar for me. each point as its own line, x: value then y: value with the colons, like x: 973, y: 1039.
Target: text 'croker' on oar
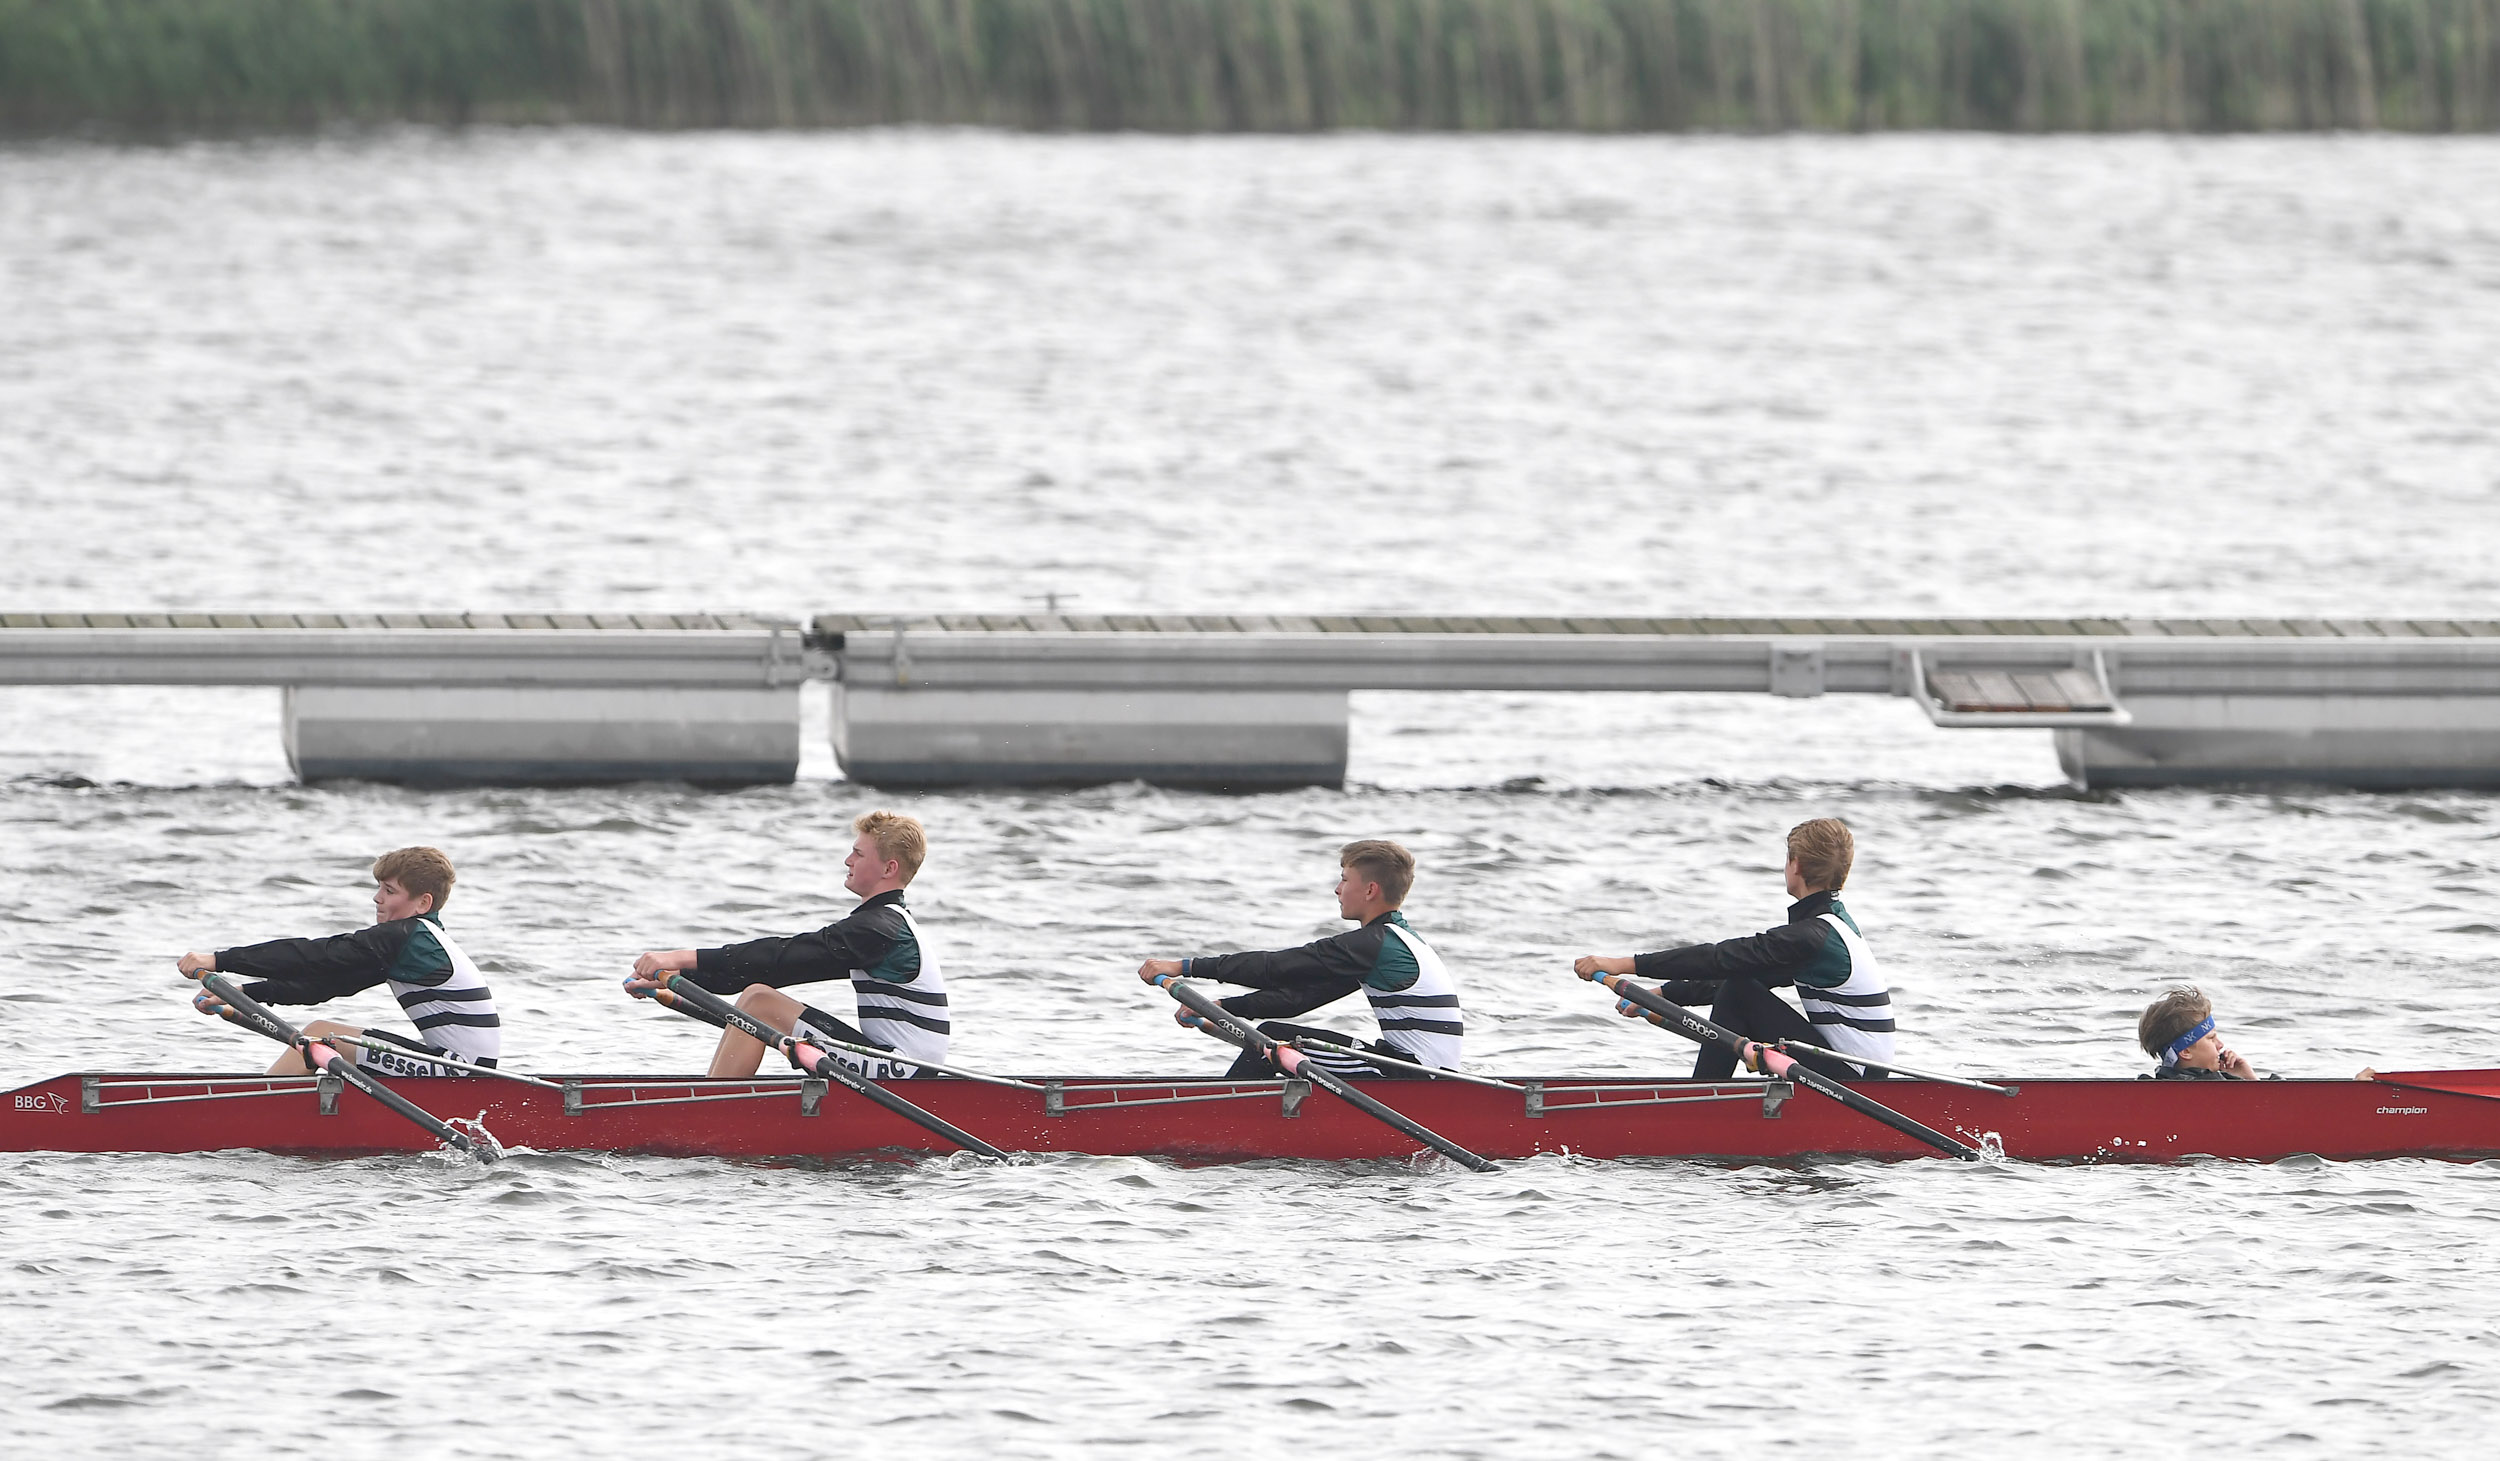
x: 1666, y: 1013
x: 684, y: 995
x: 1293, y: 1063
x: 260, y: 1019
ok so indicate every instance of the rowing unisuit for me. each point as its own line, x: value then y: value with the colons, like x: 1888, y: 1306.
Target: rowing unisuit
x: 1819, y: 950
x: 1412, y: 995
x: 895, y: 976
x: 436, y: 983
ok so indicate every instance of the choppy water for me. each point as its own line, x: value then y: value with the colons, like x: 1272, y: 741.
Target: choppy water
x: 793, y: 373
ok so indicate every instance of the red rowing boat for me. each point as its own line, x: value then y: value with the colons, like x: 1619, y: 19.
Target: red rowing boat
x: 2452, y: 1114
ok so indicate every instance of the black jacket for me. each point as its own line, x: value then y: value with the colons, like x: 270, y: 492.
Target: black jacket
x: 871, y: 939
x: 1805, y: 950
x: 313, y: 970
x: 1289, y: 982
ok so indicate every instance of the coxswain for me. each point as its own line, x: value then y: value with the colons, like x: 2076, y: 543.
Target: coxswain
x: 878, y: 946
x: 1413, y: 997
x: 2178, y: 1031
x: 1847, y: 1006
x: 438, y: 986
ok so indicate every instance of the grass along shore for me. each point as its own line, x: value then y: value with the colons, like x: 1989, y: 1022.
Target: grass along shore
x: 173, y: 66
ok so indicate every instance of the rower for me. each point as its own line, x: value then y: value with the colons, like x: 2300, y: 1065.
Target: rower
x: 878, y: 946
x: 2178, y: 1030
x: 1412, y: 994
x: 1847, y: 1006
x: 437, y: 985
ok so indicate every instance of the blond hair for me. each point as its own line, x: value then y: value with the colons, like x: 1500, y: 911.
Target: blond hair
x: 899, y: 839
x: 2169, y: 1017
x: 1822, y: 850
x: 1382, y: 862
x: 419, y: 870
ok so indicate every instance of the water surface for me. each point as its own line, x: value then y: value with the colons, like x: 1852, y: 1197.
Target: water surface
x: 921, y: 370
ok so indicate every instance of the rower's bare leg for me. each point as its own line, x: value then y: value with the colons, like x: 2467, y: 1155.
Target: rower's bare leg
x: 739, y: 1054
x: 292, y: 1063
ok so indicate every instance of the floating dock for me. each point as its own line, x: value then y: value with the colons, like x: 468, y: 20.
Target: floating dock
x: 1252, y: 702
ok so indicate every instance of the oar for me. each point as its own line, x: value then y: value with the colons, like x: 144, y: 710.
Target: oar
x: 1376, y: 1058
x: 328, y: 1061
x: 1291, y: 1062
x: 682, y: 993
x: 1791, y: 1047
x: 1666, y: 1012
x: 233, y: 1016
x: 873, y: 1053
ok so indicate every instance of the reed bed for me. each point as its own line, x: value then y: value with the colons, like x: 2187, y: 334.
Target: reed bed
x: 1256, y: 65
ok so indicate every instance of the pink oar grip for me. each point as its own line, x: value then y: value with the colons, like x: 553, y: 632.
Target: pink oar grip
x: 319, y: 1054
x: 1772, y: 1060
x: 804, y: 1055
x: 1289, y: 1060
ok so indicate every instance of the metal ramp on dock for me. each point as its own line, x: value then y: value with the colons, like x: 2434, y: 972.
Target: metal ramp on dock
x: 1972, y: 693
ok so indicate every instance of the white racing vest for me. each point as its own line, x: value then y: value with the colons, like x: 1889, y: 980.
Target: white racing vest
x: 909, y: 1019
x: 1420, y: 1022
x: 1856, y: 1017
x: 458, y: 1015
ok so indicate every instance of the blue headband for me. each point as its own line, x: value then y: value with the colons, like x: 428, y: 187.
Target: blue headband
x: 2195, y: 1032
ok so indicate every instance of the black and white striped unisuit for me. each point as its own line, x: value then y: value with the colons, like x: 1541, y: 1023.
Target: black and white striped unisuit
x: 456, y: 1013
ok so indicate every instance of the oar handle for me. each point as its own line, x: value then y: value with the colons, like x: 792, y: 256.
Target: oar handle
x: 661, y: 996
x: 234, y: 1016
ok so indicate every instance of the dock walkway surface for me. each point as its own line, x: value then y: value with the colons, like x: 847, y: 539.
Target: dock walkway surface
x: 1251, y: 701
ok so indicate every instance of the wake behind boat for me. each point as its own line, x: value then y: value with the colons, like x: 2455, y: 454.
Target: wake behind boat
x: 2448, y: 1114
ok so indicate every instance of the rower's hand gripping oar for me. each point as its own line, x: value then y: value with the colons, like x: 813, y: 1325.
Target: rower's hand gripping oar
x: 1293, y: 1063
x: 1667, y: 1013
x: 250, y: 1013
x: 207, y: 1002
x: 687, y: 997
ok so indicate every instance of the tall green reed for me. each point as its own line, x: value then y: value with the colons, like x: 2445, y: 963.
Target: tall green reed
x: 1260, y: 65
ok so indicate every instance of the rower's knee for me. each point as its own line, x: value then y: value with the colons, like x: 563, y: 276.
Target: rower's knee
x: 767, y: 1003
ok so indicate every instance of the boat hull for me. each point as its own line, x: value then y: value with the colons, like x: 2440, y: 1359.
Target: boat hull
x: 2446, y: 1114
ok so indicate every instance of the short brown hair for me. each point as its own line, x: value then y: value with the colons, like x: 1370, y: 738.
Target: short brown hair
x: 2169, y: 1017
x: 1385, y: 863
x: 1822, y: 850
x: 899, y: 839
x: 419, y: 870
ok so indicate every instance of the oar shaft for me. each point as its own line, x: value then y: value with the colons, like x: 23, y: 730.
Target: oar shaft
x: 1292, y: 1063
x: 233, y: 1016
x: 822, y: 1066
x: 330, y: 1062
x: 1376, y: 1058
x: 1705, y: 1032
x: 1809, y: 1047
x: 873, y: 1053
